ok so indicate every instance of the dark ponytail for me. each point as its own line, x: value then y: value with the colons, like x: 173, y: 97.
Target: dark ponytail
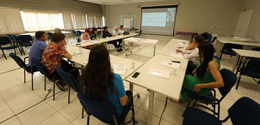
x: 207, y: 50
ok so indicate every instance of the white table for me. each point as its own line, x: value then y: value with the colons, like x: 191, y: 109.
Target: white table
x: 32, y: 34
x: 171, y: 47
x: 244, y: 53
x: 82, y: 59
x: 169, y: 87
x: 103, y: 40
x: 140, y: 40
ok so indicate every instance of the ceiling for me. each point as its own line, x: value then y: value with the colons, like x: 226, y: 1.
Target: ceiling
x: 114, y: 2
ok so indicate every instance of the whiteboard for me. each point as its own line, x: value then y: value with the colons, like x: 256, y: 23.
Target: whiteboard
x: 127, y: 22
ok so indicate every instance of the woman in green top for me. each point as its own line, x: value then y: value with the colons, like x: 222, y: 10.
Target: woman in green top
x: 207, y: 75
x: 94, y: 35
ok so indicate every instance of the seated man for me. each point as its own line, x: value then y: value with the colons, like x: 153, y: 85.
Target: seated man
x: 52, y: 58
x: 38, y: 46
x: 107, y: 34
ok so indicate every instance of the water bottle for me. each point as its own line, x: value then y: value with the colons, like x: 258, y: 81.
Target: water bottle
x: 80, y: 50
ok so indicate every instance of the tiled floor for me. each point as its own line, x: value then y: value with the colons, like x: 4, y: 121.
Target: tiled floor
x: 16, y: 96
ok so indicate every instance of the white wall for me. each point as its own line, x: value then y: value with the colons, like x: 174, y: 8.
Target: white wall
x: 253, y: 30
x: 192, y: 15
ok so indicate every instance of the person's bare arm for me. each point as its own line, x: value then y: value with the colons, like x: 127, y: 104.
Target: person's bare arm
x: 81, y: 37
x: 213, y: 67
x: 123, y: 100
x: 190, y: 47
x: 67, y: 55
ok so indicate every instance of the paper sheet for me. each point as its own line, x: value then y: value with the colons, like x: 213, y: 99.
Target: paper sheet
x: 159, y: 73
x: 119, y: 71
x: 170, y: 64
x: 176, y: 54
x: 74, y: 53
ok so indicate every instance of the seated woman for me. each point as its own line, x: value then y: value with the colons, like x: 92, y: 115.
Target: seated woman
x: 52, y: 58
x: 115, y: 33
x: 85, y: 37
x: 191, y: 47
x: 94, y: 35
x: 100, y: 83
x: 107, y: 34
x: 207, y: 75
x: 121, y: 30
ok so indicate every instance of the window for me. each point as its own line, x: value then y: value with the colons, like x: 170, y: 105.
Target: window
x: 41, y: 20
x: 74, y: 21
x: 94, y: 21
x: 10, y: 21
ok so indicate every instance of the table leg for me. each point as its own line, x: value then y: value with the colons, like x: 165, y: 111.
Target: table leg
x: 67, y: 35
x: 131, y: 86
x: 150, y: 108
x: 235, y: 63
x: 154, y: 50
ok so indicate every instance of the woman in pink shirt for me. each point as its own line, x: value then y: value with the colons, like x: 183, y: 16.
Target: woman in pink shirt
x: 85, y: 36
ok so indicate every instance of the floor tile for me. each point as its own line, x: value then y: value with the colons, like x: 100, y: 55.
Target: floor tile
x: 72, y: 110
x: 80, y: 121
x: 55, y: 119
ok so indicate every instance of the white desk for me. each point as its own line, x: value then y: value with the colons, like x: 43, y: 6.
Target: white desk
x: 81, y: 59
x: 169, y: 87
x: 32, y: 34
x: 244, y: 53
x: 103, y: 40
x: 172, y: 46
x: 140, y: 40
x: 244, y: 44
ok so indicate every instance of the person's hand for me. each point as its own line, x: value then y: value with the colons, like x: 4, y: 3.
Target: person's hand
x: 197, y: 88
x: 178, y: 50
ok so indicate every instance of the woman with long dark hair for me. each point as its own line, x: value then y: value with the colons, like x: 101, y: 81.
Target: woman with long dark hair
x: 100, y: 83
x: 207, y: 75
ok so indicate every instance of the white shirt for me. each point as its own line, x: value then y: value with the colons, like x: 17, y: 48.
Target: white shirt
x: 194, y: 56
x: 114, y: 33
x: 121, y: 31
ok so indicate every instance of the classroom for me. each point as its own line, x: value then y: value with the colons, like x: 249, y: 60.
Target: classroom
x: 135, y: 62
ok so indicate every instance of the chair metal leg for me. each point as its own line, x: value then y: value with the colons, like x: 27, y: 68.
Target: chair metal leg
x: 45, y: 83
x: 218, y: 110
x: 82, y: 112
x: 32, y: 81
x: 238, y: 80
x: 24, y: 78
x: 187, y: 106
x: 4, y: 54
x: 88, y: 120
x: 54, y: 90
x: 69, y: 96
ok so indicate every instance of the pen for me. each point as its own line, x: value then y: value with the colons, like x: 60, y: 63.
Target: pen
x: 176, y: 61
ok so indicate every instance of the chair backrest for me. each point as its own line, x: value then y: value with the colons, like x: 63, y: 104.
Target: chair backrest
x: 140, y: 32
x: 256, y: 49
x: 68, y: 78
x: 40, y: 67
x: 210, y: 37
x: 230, y: 46
x: 245, y: 111
x: 229, y: 79
x: 103, y: 111
x: 5, y: 40
x: 25, y: 38
x: 15, y: 38
x: 18, y: 60
x: 10, y: 36
x: 73, y: 32
x: 78, y: 33
x: 213, y: 40
x: 49, y: 35
x: 253, y: 65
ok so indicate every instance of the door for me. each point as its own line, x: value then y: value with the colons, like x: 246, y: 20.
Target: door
x: 243, y: 23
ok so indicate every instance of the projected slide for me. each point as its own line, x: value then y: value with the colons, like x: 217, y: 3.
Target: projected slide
x: 154, y: 19
x: 158, y: 20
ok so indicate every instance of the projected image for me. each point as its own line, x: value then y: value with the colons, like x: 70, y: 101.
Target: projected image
x: 171, y: 12
x: 170, y: 19
x: 158, y: 20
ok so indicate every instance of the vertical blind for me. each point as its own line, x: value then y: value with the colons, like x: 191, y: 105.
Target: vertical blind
x: 67, y: 20
x: 98, y: 21
x: 94, y: 21
x: 41, y: 20
x: 10, y: 21
x: 79, y: 21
